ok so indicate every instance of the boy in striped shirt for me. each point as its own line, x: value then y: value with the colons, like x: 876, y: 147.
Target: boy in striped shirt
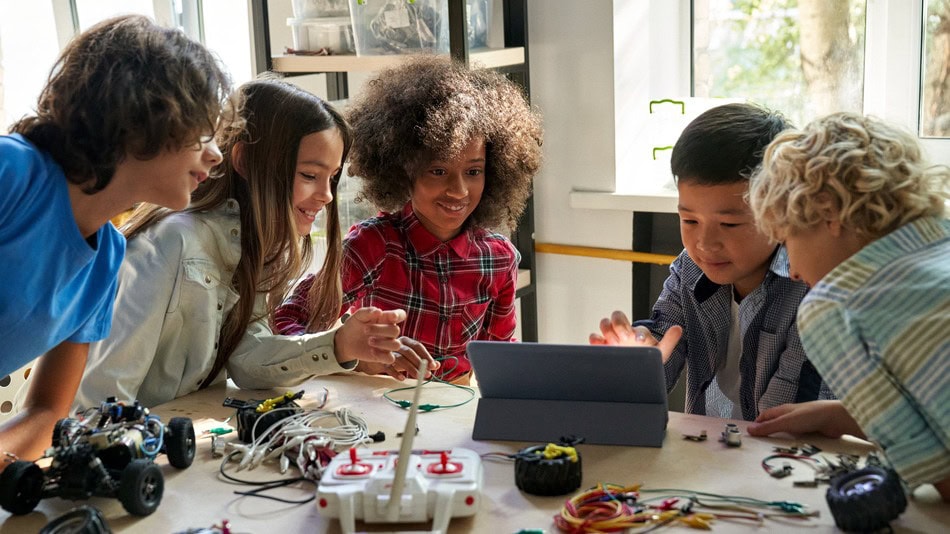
x: 864, y: 219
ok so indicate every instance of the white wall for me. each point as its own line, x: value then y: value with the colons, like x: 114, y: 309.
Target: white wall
x: 572, y: 79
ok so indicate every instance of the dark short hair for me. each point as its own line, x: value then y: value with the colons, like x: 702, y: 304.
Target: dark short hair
x: 431, y: 107
x: 725, y: 144
x: 126, y: 86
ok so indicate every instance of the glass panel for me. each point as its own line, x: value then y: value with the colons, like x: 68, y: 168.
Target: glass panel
x: 804, y: 58
x: 227, y: 34
x: 92, y: 11
x: 28, y: 48
x: 935, y: 112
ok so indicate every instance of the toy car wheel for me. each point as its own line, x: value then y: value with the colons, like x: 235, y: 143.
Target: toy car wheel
x: 141, y: 487
x: 866, y: 500
x: 21, y: 487
x: 538, y: 475
x: 180, y: 442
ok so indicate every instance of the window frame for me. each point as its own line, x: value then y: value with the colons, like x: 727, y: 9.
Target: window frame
x: 892, y: 85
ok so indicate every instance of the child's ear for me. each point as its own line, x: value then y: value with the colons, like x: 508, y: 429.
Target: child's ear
x: 237, y: 158
x: 830, y: 216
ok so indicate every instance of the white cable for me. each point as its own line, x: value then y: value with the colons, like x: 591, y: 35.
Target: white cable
x: 301, y: 438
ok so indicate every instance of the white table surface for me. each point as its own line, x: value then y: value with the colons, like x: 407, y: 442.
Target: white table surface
x: 197, y: 497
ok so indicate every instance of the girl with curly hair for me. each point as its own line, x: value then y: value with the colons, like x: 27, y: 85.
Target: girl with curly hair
x: 447, y: 154
x: 198, y: 287
x: 864, y: 218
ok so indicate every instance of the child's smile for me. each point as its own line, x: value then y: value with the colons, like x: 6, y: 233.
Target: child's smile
x: 447, y: 192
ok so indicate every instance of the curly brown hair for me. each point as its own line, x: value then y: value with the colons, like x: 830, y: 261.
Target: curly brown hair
x: 429, y: 108
x: 125, y: 86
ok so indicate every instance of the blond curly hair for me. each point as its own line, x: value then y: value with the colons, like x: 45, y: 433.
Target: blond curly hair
x: 870, y: 173
x: 430, y: 108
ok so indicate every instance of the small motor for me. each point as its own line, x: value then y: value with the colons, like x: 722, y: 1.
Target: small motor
x: 548, y: 469
x: 263, y: 414
x: 731, y: 435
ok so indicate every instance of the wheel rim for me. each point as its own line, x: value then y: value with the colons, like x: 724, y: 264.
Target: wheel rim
x: 149, y: 489
x: 862, y: 485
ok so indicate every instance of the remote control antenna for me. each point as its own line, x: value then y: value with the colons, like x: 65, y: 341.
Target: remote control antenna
x: 405, y: 450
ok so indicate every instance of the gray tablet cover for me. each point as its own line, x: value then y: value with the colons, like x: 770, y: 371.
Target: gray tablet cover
x: 539, y: 392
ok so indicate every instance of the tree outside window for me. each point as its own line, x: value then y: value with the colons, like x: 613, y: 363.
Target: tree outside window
x: 935, y: 101
x: 804, y: 58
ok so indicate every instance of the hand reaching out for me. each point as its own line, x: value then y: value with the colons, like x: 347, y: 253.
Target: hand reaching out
x: 618, y: 331
x: 827, y: 417
x: 372, y: 336
x: 406, y: 364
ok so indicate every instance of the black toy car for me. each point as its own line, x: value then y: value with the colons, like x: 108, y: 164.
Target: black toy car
x: 108, y: 452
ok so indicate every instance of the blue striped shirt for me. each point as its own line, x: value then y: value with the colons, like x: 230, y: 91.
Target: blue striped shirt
x: 877, y: 328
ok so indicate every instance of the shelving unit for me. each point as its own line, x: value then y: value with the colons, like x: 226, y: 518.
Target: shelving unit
x: 512, y: 60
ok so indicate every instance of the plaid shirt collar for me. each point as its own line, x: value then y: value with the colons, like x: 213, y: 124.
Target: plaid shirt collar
x: 705, y: 288
x: 425, y: 243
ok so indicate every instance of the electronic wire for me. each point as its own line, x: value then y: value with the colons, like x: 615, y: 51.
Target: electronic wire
x: 428, y: 407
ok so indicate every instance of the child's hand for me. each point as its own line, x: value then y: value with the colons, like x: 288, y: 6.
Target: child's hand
x: 618, y: 331
x: 408, y: 358
x: 827, y: 417
x: 369, y: 334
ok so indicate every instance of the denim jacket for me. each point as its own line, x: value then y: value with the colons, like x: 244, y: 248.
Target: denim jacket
x: 174, y: 293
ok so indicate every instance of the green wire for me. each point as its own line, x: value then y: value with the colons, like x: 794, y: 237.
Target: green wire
x: 785, y: 506
x: 429, y: 407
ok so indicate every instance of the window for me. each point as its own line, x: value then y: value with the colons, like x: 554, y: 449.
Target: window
x: 804, y: 58
x: 89, y: 12
x: 22, y: 75
x: 935, y: 99
x: 44, y: 28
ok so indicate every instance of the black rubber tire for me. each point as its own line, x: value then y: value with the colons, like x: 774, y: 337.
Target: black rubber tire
x: 538, y: 475
x: 866, y: 500
x: 141, y: 487
x: 83, y: 519
x: 180, y: 442
x: 21, y: 487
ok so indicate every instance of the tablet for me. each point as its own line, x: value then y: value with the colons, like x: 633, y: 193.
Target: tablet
x: 542, y: 392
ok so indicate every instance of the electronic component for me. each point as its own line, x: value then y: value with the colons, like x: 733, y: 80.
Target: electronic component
x: 701, y: 437
x: 731, y: 435
x: 263, y: 413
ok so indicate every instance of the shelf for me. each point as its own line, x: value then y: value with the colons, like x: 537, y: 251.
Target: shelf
x: 488, y: 58
x: 524, y: 278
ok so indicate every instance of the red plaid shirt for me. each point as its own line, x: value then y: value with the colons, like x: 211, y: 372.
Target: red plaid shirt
x: 453, y: 292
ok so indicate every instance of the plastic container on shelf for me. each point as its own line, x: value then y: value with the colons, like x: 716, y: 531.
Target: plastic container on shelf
x: 400, y: 27
x: 311, y: 9
x: 333, y: 34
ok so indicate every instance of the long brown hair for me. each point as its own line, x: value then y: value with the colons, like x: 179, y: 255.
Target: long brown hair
x: 277, y: 115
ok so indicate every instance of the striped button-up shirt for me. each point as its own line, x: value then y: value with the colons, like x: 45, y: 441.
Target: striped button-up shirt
x: 877, y: 327
x: 773, y: 369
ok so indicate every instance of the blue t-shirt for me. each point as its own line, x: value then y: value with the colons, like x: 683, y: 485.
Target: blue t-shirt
x: 54, y: 285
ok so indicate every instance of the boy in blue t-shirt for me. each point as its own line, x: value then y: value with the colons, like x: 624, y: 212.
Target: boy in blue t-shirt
x: 127, y: 116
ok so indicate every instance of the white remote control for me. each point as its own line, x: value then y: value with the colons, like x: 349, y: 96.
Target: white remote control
x: 439, y: 485
x: 408, y: 487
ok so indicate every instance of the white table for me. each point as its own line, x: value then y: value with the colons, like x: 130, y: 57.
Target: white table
x: 196, y: 497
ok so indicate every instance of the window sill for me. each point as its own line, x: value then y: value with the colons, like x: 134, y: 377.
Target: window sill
x: 655, y: 202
